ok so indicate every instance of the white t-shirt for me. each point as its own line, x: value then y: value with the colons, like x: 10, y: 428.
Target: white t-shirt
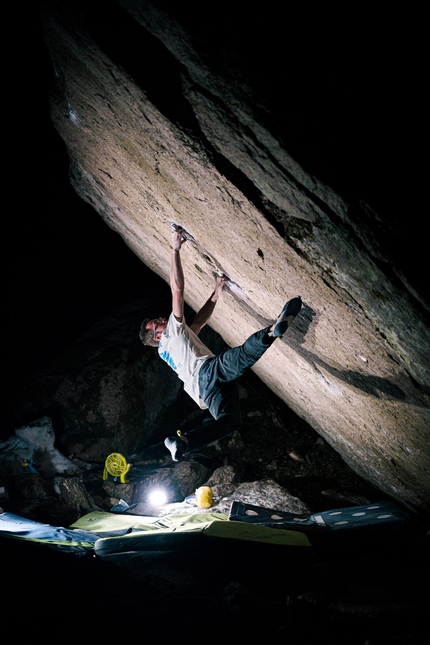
x: 184, y: 352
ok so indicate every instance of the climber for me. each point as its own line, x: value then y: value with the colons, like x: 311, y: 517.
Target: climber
x: 210, y: 380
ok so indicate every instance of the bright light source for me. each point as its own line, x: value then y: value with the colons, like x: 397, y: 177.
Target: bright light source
x: 158, y: 497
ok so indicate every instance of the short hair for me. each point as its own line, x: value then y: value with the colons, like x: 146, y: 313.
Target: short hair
x: 147, y: 335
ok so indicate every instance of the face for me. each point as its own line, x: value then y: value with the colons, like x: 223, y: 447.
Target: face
x: 157, y: 326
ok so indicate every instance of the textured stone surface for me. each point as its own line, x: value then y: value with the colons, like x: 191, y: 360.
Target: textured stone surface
x: 355, y: 364
x: 30, y: 486
x: 256, y: 493
x: 74, y: 493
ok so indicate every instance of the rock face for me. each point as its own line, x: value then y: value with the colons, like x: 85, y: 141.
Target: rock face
x: 165, y: 122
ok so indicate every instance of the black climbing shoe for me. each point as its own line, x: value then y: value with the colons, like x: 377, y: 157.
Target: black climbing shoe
x: 287, y: 315
x: 176, y: 446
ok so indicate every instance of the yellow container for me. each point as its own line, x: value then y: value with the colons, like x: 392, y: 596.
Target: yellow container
x: 204, y: 497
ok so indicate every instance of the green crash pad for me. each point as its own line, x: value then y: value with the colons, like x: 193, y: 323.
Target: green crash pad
x: 175, y: 531
x: 114, y: 524
x: 110, y: 533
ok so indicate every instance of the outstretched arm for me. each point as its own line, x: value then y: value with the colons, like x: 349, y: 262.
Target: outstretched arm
x: 177, y: 282
x: 202, y: 316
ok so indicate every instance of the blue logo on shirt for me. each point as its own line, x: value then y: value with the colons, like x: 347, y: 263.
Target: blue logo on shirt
x: 169, y: 360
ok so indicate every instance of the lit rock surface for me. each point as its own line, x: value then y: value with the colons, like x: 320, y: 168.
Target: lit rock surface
x: 254, y: 493
x: 355, y: 363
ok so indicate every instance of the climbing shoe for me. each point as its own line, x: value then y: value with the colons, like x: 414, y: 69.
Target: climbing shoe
x: 287, y: 315
x: 176, y: 446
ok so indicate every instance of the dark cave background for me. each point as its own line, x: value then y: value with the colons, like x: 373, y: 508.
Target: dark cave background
x: 349, y: 107
x: 354, y: 118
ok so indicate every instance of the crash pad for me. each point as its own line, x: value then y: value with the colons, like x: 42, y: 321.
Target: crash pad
x: 14, y: 526
x: 182, y: 531
x: 111, y: 524
x: 371, y: 516
x: 351, y: 527
x: 113, y: 533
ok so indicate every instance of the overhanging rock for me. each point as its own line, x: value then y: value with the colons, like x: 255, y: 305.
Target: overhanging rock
x: 198, y: 153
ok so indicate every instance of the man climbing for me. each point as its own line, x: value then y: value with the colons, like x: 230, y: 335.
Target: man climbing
x: 210, y: 380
